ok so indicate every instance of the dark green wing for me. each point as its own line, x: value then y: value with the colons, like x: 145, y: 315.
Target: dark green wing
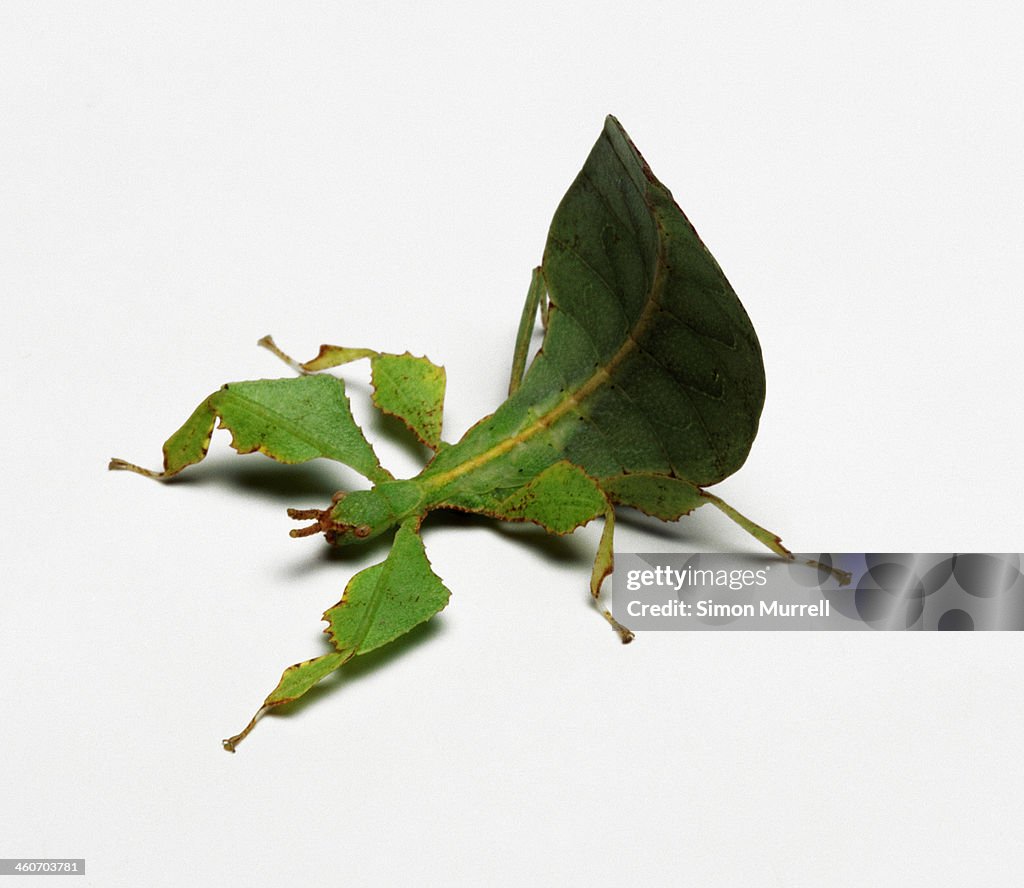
x: 649, y: 362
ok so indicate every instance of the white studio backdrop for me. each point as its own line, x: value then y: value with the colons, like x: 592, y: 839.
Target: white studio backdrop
x: 178, y: 180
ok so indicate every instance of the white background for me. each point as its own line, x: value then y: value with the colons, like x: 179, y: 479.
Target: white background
x: 177, y: 180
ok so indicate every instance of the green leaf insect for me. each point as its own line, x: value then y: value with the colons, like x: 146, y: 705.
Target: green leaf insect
x: 647, y: 389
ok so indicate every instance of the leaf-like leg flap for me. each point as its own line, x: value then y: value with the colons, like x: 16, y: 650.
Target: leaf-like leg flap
x: 405, y: 386
x: 387, y: 600
x: 185, y: 447
x: 603, y: 564
x: 380, y: 604
x: 290, y: 420
x: 534, y: 295
x: 329, y: 356
x: 295, y: 681
x: 411, y: 389
x: 771, y: 540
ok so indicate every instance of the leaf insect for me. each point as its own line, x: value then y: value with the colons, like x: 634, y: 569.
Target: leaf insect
x: 647, y: 389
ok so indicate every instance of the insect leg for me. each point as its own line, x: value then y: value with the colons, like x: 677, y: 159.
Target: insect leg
x: 534, y: 298
x: 603, y: 563
x: 771, y: 540
x: 328, y: 356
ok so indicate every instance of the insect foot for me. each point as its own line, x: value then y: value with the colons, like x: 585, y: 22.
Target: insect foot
x: 625, y: 635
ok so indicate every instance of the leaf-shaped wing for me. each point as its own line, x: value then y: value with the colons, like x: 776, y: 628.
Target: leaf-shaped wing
x: 645, y: 330
x: 649, y: 362
x: 291, y: 420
